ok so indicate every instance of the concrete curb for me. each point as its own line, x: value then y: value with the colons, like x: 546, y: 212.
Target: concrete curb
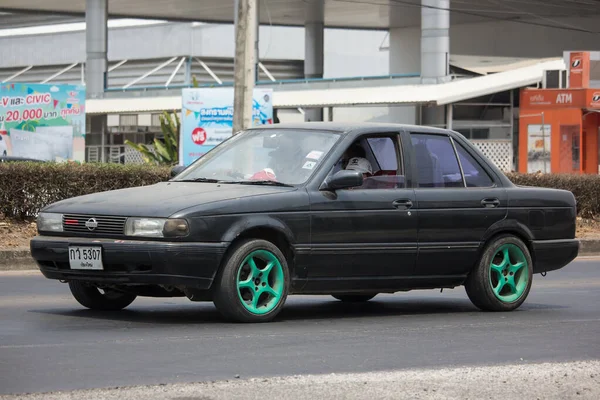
x: 19, y: 259
x: 589, y: 247
x: 16, y: 259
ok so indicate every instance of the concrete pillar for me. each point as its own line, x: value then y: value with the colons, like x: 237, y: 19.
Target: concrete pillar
x: 435, y: 53
x: 314, y: 49
x: 96, y: 32
x: 435, y: 40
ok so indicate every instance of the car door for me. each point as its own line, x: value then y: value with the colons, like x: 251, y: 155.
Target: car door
x: 368, y: 232
x: 458, y: 200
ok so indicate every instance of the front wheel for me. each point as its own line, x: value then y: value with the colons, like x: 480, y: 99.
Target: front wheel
x: 253, y: 283
x: 354, y: 298
x: 105, y: 300
x: 502, y: 279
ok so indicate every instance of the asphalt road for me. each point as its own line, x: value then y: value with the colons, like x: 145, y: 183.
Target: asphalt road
x: 48, y: 342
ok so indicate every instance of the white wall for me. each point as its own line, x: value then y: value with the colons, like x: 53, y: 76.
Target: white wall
x: 405, y: 51
x: 354, y: 53
x: 401, y: 115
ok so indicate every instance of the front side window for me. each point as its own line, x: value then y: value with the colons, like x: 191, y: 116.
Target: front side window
x: 377, y: 159
x: 437, y: 166
x: 286, y: 156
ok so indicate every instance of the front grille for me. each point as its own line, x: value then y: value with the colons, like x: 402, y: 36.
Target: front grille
x: 105, y: 224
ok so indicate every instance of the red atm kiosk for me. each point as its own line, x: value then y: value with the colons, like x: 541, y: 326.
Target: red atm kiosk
x: 559, y: 128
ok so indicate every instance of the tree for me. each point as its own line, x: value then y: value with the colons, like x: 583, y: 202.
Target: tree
x: 166, y: 149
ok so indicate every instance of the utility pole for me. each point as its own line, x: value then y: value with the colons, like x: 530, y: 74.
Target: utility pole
x: 245, y: 33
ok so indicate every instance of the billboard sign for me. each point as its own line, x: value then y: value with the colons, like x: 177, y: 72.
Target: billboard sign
x: 43, y: 121
x: 207, y: 118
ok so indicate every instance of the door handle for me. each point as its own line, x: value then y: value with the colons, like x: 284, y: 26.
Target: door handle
x: 490, y: 203
x: 404, y: 204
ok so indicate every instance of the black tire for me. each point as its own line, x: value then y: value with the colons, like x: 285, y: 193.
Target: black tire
x: 91, y: 297
x: 354, y: 298
x: 225, y: 295
x: 479, y: 283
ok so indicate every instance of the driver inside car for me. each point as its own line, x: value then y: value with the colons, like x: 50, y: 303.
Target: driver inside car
x: 355, y: 150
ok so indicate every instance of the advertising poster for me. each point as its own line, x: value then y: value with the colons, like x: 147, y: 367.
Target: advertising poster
x: 538, y: 148
x: 43, y: 122
x: 207, y: 118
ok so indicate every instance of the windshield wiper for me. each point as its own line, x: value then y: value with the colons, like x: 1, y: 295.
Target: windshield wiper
x: 260, y: 182
x: 207, y: 180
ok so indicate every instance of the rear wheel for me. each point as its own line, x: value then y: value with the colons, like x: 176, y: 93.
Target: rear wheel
x: 354, y: 298
x: 502, y: 279
x: 253, y: 283
x: 97, y: 299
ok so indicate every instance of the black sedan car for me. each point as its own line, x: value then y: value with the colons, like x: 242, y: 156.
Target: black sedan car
x: 314, y: 208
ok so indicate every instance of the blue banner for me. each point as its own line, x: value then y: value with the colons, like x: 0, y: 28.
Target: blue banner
x: 207, y: 118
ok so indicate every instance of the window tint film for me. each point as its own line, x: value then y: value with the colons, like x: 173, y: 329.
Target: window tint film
x: 436, y: 162
x: 378, y: 163
x: 475, y: 175
x: 384, y: 150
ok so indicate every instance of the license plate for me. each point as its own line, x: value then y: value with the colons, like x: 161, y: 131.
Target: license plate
x: 81, y: 257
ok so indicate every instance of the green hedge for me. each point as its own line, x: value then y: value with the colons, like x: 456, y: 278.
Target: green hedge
x: 25, y: 188
x: 586, y: 188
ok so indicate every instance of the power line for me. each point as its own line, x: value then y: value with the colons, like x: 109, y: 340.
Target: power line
x: 401, y: 3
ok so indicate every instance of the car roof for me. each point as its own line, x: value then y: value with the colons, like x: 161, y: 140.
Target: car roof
x: 353, y: 127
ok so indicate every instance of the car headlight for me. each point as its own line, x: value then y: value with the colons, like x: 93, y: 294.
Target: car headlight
x: 49, y: 222
x: 156, y: 227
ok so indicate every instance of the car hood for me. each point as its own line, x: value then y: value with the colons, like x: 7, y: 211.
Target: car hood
x: 159, y: 200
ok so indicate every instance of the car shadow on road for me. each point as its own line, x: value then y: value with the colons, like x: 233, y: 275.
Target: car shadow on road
x: 321, y: 308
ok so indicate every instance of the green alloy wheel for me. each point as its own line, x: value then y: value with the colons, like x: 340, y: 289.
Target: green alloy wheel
x: 502, y: 279
x: 260, y: 282
x: 252, y: 285
x: 509, y: 275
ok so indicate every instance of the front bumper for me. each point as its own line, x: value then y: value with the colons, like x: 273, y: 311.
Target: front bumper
x: 551, y: 255
x: 129, y: 262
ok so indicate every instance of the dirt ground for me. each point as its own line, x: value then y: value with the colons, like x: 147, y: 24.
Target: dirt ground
x: 16, y: 234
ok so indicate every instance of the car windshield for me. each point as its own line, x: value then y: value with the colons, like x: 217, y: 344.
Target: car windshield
x: 265, y: 156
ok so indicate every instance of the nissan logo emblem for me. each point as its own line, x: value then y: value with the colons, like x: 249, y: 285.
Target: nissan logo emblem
x: 91, y: 224
x: 576, y: 63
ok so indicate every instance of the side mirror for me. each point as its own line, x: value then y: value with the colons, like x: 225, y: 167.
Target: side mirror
x: 343, y: 180
x: 176, y: 170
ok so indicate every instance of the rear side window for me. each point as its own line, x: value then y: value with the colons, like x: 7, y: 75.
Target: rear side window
x: 475, y: 175
x: 436, y: 161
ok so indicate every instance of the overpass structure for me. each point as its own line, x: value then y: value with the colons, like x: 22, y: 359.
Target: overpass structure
x: 422, y: 33
x: 428, y: 42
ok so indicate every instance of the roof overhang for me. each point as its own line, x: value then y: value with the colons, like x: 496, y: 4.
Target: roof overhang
x: 431, y: 94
